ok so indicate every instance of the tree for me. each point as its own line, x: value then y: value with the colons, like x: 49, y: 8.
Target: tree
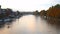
x: 43, y: 13
x: 54, y: 11
x: 36, y: 12
x: 8, y: 11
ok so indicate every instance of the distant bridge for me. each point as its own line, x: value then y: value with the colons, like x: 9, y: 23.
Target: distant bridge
x: 26, y: 13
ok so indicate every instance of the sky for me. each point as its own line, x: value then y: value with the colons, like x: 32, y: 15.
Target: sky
x: 28, y: 5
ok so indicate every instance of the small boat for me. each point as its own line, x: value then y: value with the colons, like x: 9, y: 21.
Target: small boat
x: 7, y: 20
x: 1, y: 20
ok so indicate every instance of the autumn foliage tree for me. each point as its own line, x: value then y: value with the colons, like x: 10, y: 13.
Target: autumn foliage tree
x: 43, y: 13
x: 54, y: 11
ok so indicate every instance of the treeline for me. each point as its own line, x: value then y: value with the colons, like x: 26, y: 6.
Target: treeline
x: 53, y: 11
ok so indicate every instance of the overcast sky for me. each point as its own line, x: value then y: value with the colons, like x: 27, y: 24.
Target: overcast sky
x: 28, y: 5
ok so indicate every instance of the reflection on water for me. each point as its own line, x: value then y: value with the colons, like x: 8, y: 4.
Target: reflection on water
x: 30, y: 24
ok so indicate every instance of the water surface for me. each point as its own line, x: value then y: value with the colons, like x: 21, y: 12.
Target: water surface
x: 30, y: 24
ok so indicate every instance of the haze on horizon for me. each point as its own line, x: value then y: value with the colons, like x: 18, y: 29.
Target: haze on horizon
x: 28, y: 5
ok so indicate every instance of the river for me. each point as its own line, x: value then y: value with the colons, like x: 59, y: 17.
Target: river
x: 30, y: 24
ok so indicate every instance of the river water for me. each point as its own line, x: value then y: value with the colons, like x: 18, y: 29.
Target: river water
x: 30, y: 24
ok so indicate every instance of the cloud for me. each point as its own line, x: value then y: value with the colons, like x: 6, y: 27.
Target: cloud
x: 28, y: 5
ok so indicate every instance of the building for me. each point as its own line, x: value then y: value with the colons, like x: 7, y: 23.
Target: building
x: 0, y: 9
